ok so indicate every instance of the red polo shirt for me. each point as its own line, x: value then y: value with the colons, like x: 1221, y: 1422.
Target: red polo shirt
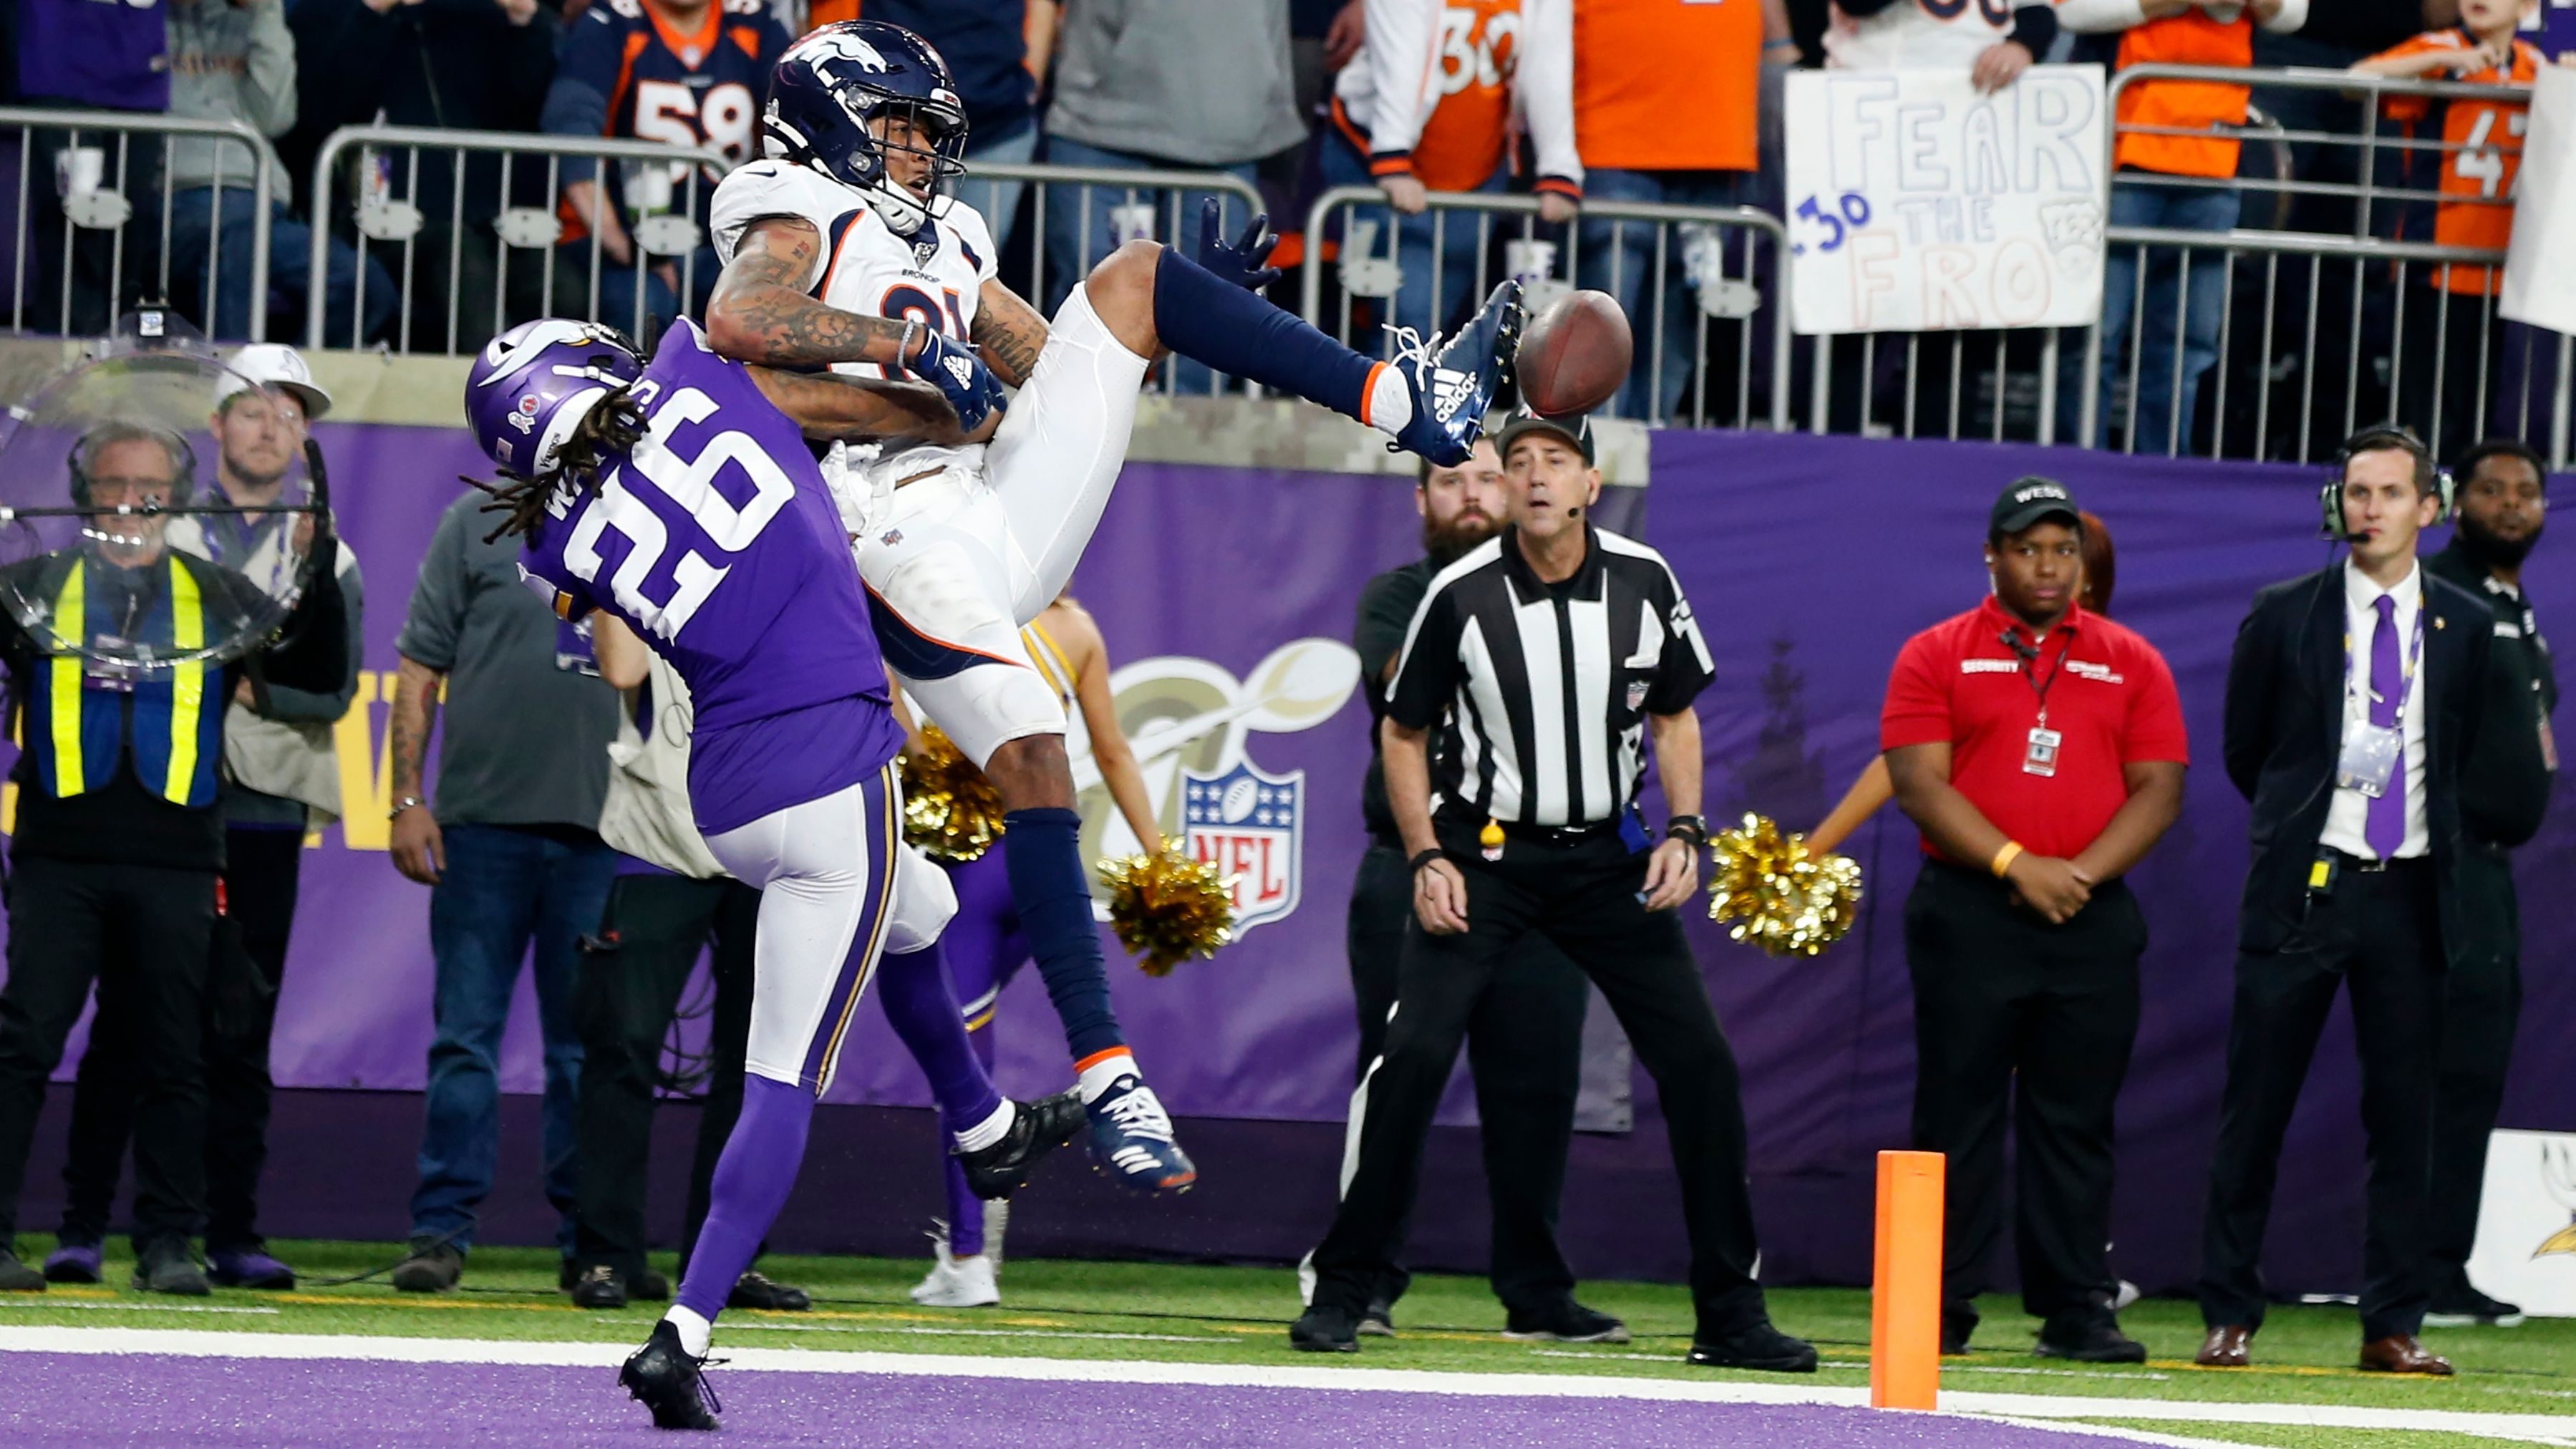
x: 2113, y: 699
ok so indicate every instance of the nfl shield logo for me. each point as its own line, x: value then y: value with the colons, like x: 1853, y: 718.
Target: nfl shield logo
x: 1252, y: 825
x: 1638, y: 689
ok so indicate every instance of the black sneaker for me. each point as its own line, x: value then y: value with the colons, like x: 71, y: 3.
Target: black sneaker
x: 755, y: 1290
x: 430, y: 1270
x: 17, y: 1277
x: 649, y: 1287
x: 2090, y: 1340
x: 599, y: 1286
x: 1325, y: 1330
x: 1038, y: 1128
x: 1758, y: 1346
x: 1956, y: 1330
x: 2461, y: 1306
x: 167, y: 1266
x: 1564, y: 1321
x: 670, y: 1381
x: 1378, y: 1319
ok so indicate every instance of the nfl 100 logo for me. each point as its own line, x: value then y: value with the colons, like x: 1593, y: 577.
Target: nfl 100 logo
x: 1251, y: 824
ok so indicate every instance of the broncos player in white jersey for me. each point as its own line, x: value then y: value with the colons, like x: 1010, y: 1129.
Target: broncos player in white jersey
x: 844, y: 249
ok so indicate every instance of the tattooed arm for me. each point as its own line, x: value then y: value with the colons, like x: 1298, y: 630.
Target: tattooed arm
x: 419, y: 851
x: 1008, y: 333
x: 759, y: 311
x: 836, y: 409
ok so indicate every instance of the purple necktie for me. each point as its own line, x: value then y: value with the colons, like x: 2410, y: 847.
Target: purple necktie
x: 2386, y: 826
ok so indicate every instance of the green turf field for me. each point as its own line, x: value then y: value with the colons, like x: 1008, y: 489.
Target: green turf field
x: 1219, y: 1315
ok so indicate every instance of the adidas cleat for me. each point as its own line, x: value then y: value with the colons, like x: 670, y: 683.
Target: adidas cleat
x: 670, y: 1381
x: 1038, y: 1128
x: 1453, y: 380
x: 1131, y: 1139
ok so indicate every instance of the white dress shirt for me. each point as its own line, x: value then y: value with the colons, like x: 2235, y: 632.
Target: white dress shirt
x: 2347, y: 819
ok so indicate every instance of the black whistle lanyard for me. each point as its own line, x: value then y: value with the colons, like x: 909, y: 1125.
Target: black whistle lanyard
x: 2029, y: 656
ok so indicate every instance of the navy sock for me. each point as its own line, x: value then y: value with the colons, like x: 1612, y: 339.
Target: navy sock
x: 1207, y: 319
x: 922, y: 1008
x: 1043, y: 852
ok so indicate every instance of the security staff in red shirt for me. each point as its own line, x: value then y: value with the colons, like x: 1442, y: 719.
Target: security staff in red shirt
x: 2040, y: 749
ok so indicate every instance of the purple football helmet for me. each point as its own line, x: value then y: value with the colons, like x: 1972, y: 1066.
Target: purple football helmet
x: 536, y: 382
x: 829, y: 85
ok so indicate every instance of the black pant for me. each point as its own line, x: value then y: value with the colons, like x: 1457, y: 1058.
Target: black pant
x: 2481, y: 1007
x: 1525, y: 1050
x: 2007, y: 1006
x: 144, y: 933
x: 1582, y: 895
x: 262, y: 872
x: 630, y: 988
x: 2380, y: 931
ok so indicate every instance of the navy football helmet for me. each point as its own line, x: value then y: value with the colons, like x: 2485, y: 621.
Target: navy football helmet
x: 831, y: 84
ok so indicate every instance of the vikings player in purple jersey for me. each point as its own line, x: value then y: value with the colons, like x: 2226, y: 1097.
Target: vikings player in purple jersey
x: 681, y: 498
x: 844, y: 248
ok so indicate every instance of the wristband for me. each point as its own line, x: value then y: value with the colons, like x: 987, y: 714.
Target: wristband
x: 1416, y: 864
x: 2005, y: 857
x: 1689, y: 828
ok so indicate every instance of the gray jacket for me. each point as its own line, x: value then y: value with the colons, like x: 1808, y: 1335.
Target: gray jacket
x: 1198, y: 82
x: 230, y: 62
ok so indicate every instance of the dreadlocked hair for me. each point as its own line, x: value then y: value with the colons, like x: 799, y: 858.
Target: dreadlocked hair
x: 615, y: 425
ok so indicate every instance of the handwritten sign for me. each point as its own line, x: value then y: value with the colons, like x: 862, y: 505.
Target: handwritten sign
x: 1919, y: 205
x: 2538, y: 286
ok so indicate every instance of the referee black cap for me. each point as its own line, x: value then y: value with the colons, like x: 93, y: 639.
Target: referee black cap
x: 2032, y: 500
x: 1574, y: 428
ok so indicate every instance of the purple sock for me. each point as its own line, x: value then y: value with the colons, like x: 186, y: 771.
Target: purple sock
x: 923, y: 1010
x: 965, y: 1209
x: 751, y: 1182
x: 1208, y: 319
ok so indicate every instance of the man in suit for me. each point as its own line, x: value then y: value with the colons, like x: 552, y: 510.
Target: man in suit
x: 2351, y: 700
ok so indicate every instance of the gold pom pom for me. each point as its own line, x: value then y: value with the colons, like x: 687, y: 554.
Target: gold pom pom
x: 950, y: 811
x: 1167, y: 908
x: 1782, y: 899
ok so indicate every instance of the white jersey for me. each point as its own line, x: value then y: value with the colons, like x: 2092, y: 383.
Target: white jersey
x: 1916, y: 35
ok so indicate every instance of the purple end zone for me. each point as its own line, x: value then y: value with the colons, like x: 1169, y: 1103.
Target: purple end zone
x: 88, y: 1399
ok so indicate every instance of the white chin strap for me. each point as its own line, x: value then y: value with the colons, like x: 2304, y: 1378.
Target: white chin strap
x: 903, y: 212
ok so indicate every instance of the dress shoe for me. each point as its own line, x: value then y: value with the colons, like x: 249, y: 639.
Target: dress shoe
x: 2399, y: 1353
x: 2226, y: 1347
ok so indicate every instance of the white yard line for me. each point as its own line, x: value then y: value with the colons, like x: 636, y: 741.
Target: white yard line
x: 201, y: 1343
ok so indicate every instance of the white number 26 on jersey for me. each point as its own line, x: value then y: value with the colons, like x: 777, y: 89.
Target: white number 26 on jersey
x: 689, y: 483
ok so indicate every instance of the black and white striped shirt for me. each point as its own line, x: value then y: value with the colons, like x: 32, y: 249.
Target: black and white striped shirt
x: 1541, y: 691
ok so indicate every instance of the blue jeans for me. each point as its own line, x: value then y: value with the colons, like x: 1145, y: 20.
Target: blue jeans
x: 2160, y: 418
x: 1075, y: 243
x: 1618, y: 257
x: 503, y: 891
x: 196, y: 222
x: 1452, y: 248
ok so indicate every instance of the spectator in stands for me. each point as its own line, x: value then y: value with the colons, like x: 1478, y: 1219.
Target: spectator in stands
x: 1666, y: 110
x: 1429, y: 105
x: 997, y: 50
x: 78, y: 55
x: 2449, y: 358
x: 1159, y: 84
x: 2167, y: 32
x: 281, y: 776
x: 688, y: 72
x: 512, y: 855
x: 480, y: 65
x: 233, y: 60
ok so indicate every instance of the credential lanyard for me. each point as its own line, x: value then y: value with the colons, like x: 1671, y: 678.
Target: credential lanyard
x: 2405, y: 672
x: 2037, y: 688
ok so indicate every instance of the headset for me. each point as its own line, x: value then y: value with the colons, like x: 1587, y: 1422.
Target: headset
x: 85, y: 452
x: 2379, y: 438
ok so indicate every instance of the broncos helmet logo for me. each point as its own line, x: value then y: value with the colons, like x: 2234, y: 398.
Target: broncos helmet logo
x: 828, y: 46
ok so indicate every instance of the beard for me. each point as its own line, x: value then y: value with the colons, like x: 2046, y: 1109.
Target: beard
x: 2494, y: 550
x: 1447, y: 543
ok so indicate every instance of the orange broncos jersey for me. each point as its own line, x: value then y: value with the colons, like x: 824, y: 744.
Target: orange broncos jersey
x: 1667, y: 85
x: 2483, y: 156
x: 1433, y: 90
x: 2194, y: 37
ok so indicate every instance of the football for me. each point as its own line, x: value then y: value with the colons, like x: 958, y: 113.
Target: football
x: 1573, y: 355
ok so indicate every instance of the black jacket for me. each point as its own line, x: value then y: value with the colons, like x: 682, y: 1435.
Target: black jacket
x: 2284, y: 730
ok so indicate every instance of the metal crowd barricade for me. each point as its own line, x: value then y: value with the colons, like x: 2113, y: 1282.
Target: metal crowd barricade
x: 1710, y: 253
x: 113, y: 248
x: 505, y: 217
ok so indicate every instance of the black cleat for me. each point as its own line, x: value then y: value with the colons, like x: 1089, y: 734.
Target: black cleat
x: 2090, y: 1340
x: 756, y: 1291
x: 599, y: 1286
x: 1564, y: 1321
x: 1325, y: 1330
x: 1038, y: 1128
x: 670, y: 1381
x: 1757, y: 1346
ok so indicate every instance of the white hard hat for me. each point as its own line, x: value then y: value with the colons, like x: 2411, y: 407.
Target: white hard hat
x: 273, y: 364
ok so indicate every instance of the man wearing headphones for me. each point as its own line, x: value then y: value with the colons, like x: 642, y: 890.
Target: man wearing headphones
x: 2352, y: 698
x: 119, y: 839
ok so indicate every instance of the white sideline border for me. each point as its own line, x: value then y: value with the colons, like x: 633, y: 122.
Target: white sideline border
x: 2033, y: 1410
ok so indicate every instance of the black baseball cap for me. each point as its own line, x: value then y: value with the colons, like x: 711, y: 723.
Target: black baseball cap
x: 2033, y: 500
x: 1574, y: 428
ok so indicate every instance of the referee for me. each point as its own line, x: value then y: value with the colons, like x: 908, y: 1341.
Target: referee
x: 1545, y: 657
x: 2040, y: 749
